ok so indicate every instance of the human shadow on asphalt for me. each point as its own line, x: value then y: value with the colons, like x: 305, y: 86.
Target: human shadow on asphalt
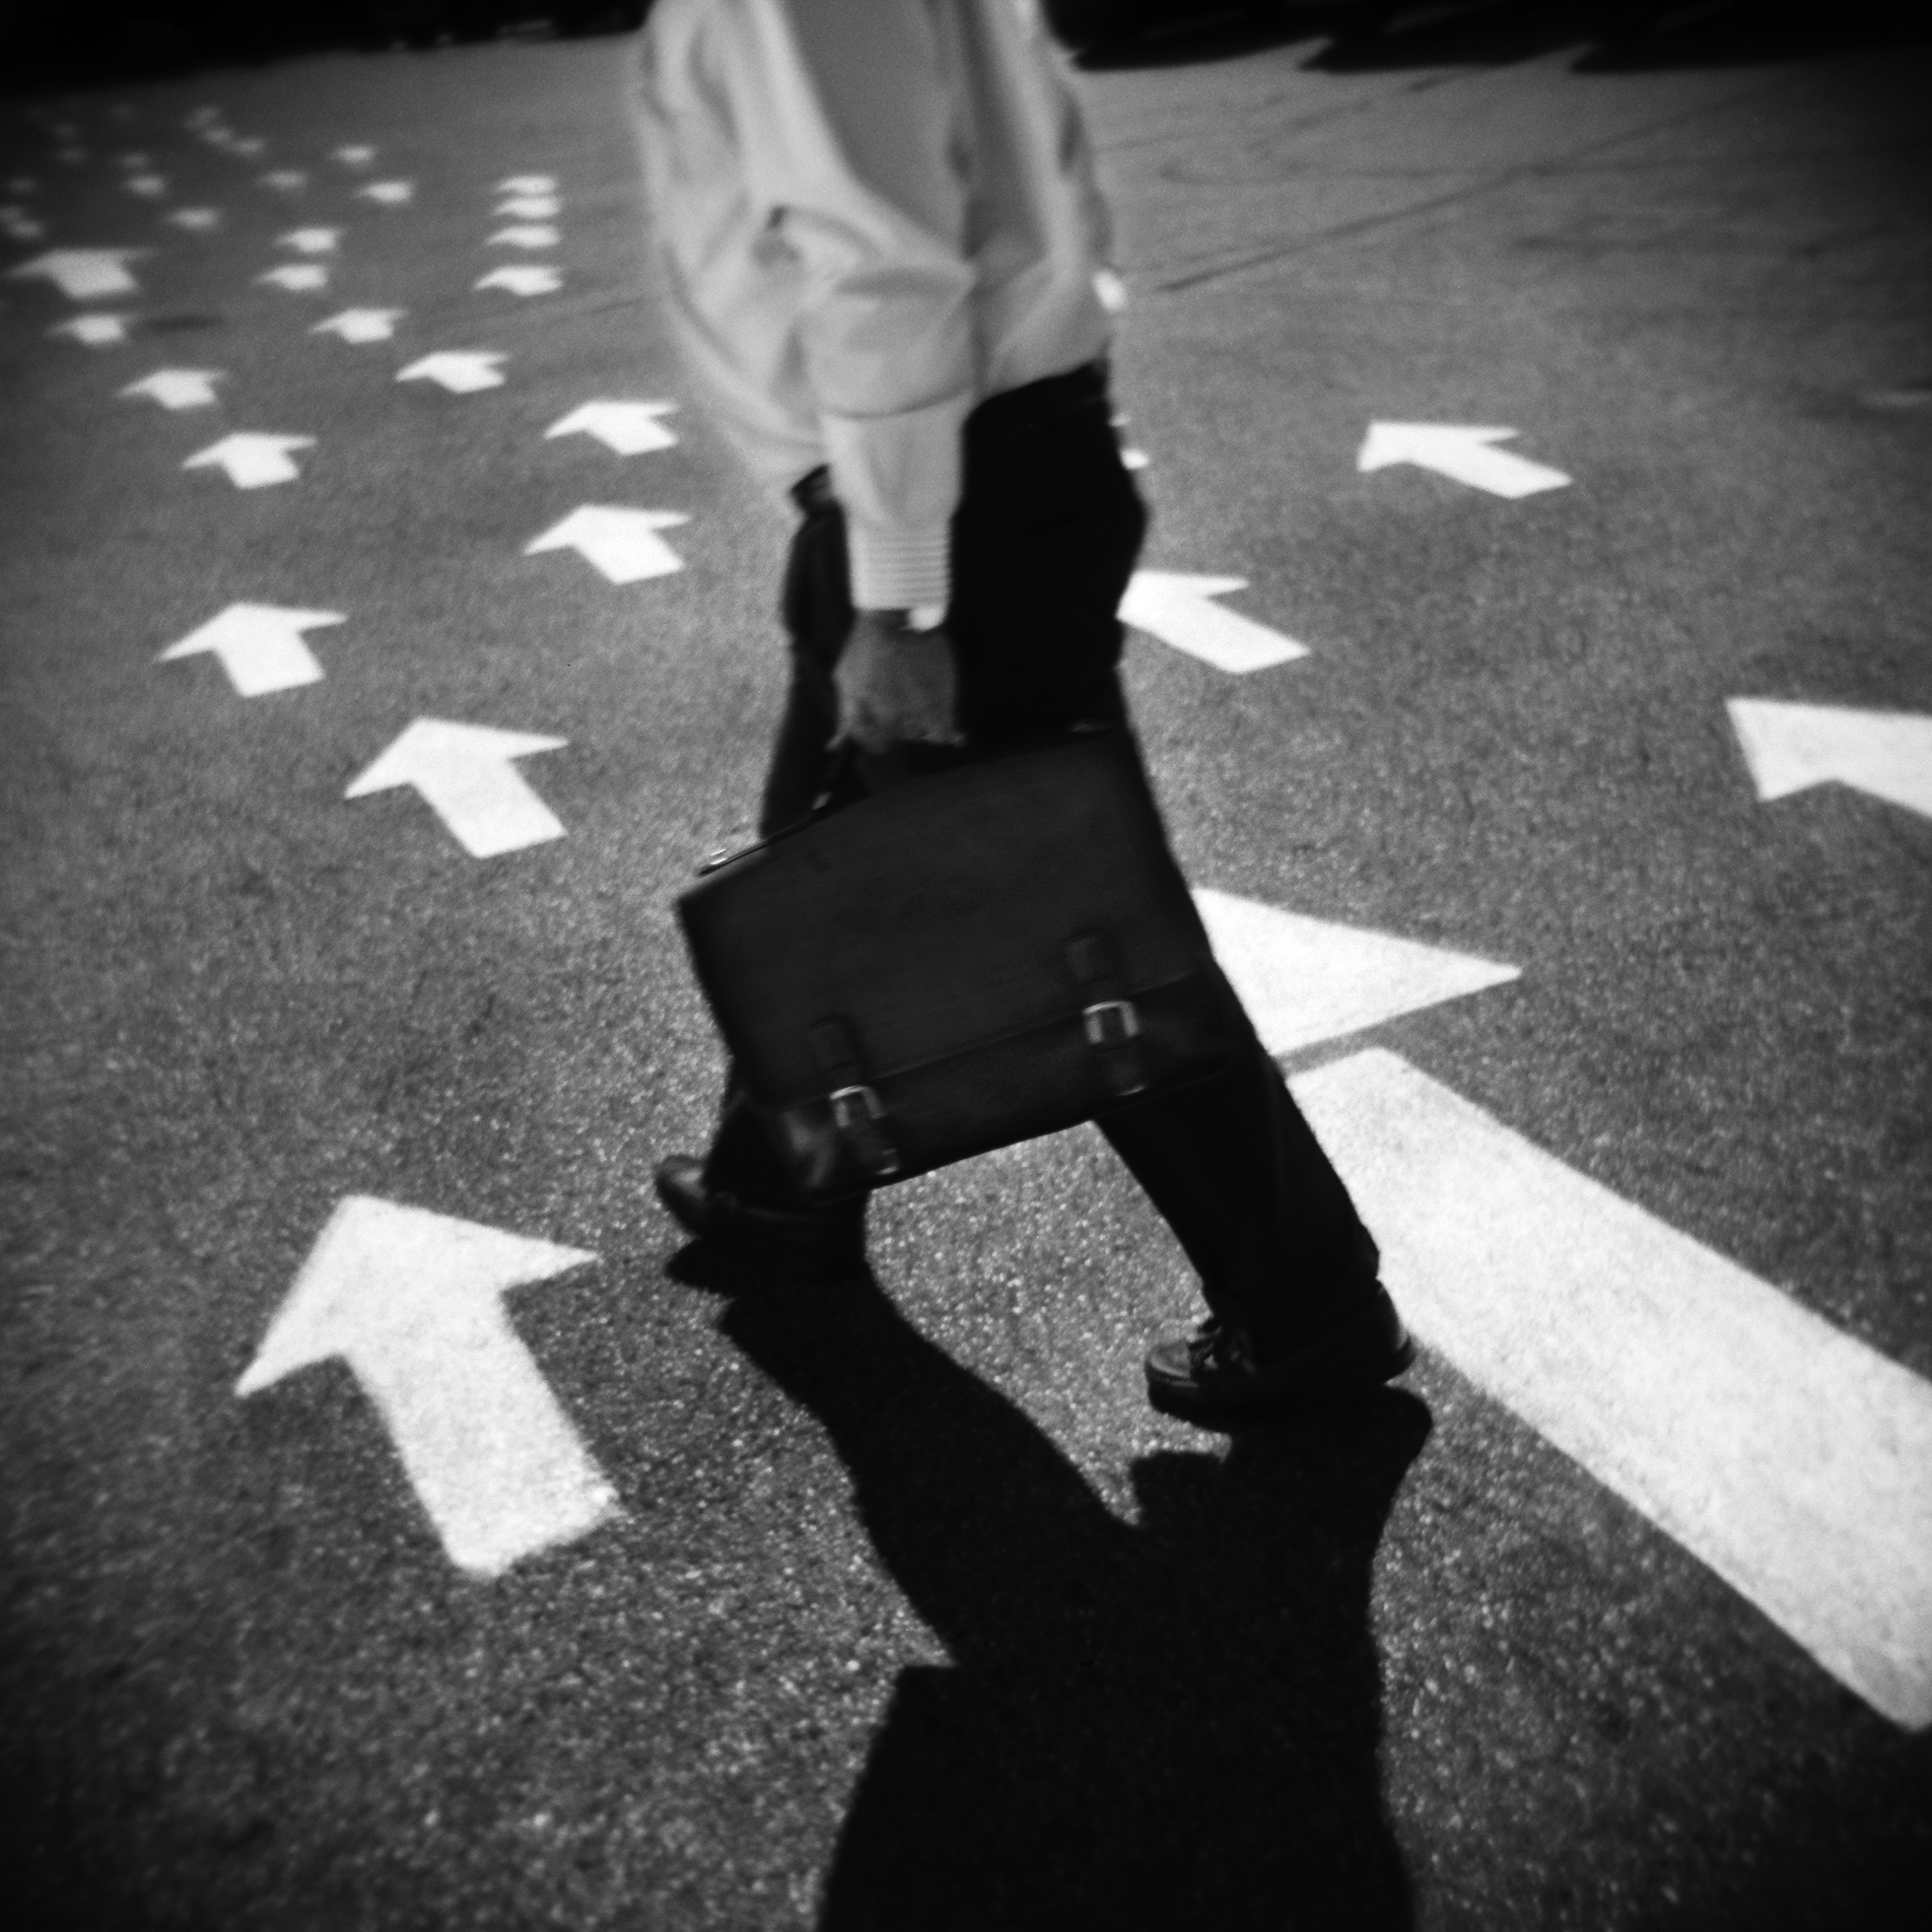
x: 1168, y: 1724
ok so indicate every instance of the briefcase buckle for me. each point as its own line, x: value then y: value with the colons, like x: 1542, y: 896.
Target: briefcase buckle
x: 1111, y: 1022
x: 859, y: 1115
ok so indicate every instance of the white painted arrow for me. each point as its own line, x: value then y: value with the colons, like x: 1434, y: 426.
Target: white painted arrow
x: 530, y: 207
x: 1791, y: 1458
x: 390, y: 194
x: 260, y: 645
x: 460, y: 371
x: 465, y: 776
x: 357, y: 154
x: 1461, y: 451
x: 205, y: 115
x: 1306, y: 979
x: 297, y: 277
x: 527, y: 184
x: 285, y: 180
x: 197, y: 221
x: 152, y: 186
x: 1180, y: 610
x: 413, y: 1302
x: 250, y: 148
x: 526, y: 235
x: 1792, y: 747
x: 178, y: 388
x: 535, y: 278
x: 252, y: 459
x: 96, y: 331
x: 622, y: 543
x: 629, y: 428
x: 310, y: 241
x: 83, y: 273
x: 362, y: 324
x: 21, y: 227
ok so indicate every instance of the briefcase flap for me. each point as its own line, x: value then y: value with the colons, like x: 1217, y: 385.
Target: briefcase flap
x: 938, y: 916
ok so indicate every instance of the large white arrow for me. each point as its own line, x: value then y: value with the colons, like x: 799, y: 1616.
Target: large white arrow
x: 362, y: 324
x: 1180, y: 610
x: 460, y: 371
x: 178, y: 388
x: 390, y: 194
x: 465, y: 775
x: 1793, y: 1459
x: 622, y: 543
x: 526, y: 235
x: 531, y: 278
x: 260, y: 645
x: 530, y: 207
x: 1306, y: 979
x: 629, y: 428
x: 310, y: 241
x: 94, y: 330
x: 413, y: 1302
x: 297, y: 277
x: 1459, y: 451
x: 527, y: 184
x: 252, y: 459
x: 83, y: 273
x: 1791, y: 747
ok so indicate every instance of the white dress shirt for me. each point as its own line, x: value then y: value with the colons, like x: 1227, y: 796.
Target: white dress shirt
x: 870, y: 215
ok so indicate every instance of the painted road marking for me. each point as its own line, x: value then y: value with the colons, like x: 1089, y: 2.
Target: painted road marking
x: 251, y: 147
x: 96, y: 331
x: 1463, y: 452
x: 1180, y: 610
x: 530, y: 207
x: 357, y: 153
x: 623, y: 544
x: 527, y: 184
x: 362, y: 324
x: 1792, y: 747
x: 310, y: 241
x: 390, y: 194
x: 462, y: 371
x: 82, y: 274
x: 628, y: 428
x: 1306, y: 979
x: 526, y: 235
x: 297, y: 277
x: 285, y: 180
x: 533, y: 278
x: 178, y: 388
x: 260, y: 645
x: 252, y: 459
x: 413, y: 1302
x: 151, y: 186
x: 465, y: 776
x: 1793, y: 1459
x: 197, y: 221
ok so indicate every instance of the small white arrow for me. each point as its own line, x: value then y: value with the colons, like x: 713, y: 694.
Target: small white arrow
x: 527, y: 184
x: 136, y: 160
x: 413, y: 1302
x: 310, y: 241
x: 83, y: 273
x: 252, y: 459
x: 178, y: 388
x: 285, y: 180
x: 297, y: 277
x: 530, y: 207
x: 390, y: 194
x: 1463, y: 452
x: 629, y: 428
x: 623, y: 544
x: 362, y: 324
x: 206, y: 116
x: 149, y: 186
x: 260, y: 645
x: 465, y: 776
x: 1792, y: 747
x: 23, y: 228
x: 73, y: 157
x: 197, y: 221
x: 23, y: 184
x: 97, y: 331
x: 535, y: 278
x: 460, y: 371
x: 528, y: 235
x: 251, y: 149
x: 1308, y: 980
x: 354, y: 155
x: 1179, y: 609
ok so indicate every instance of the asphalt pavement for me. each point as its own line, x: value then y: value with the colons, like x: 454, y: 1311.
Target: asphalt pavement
x: 404, y: 1528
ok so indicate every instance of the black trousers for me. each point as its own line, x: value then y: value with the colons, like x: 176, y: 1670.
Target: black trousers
x: 1043, y: 544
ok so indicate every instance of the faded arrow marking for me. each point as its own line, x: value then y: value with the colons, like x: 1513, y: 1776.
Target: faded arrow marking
x: 628, y: 428
x: 297, y: 277
x: 462, y: 371
x: 1180, y: 610
x: 1792, y: 747
x: 259, y: 646
x: 534, y: 278
x: 464, y: 774
x: 1459, y: 451
x: 82, y: 274
x: 526, y: 235
x: 362, y: 324
x: 252, y: 459
x: 178, y: 388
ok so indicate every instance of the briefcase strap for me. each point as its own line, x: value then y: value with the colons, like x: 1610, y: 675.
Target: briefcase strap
x: 857, y: 1109
x: 1113, y: 1027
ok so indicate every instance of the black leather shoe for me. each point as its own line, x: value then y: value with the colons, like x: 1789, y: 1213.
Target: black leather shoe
x: 1218, y: 1375
x: 822, y: 1244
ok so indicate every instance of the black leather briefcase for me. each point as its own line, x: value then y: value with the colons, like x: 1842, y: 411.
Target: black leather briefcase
x: 963, y: 960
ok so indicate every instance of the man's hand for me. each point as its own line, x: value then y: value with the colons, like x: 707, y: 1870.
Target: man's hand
x: 895, y: 685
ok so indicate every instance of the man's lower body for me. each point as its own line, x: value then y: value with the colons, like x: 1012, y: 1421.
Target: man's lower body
x: 1044, y: 543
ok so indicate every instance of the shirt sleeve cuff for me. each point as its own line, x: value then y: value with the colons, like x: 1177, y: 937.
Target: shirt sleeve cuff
x: 898, y: 569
